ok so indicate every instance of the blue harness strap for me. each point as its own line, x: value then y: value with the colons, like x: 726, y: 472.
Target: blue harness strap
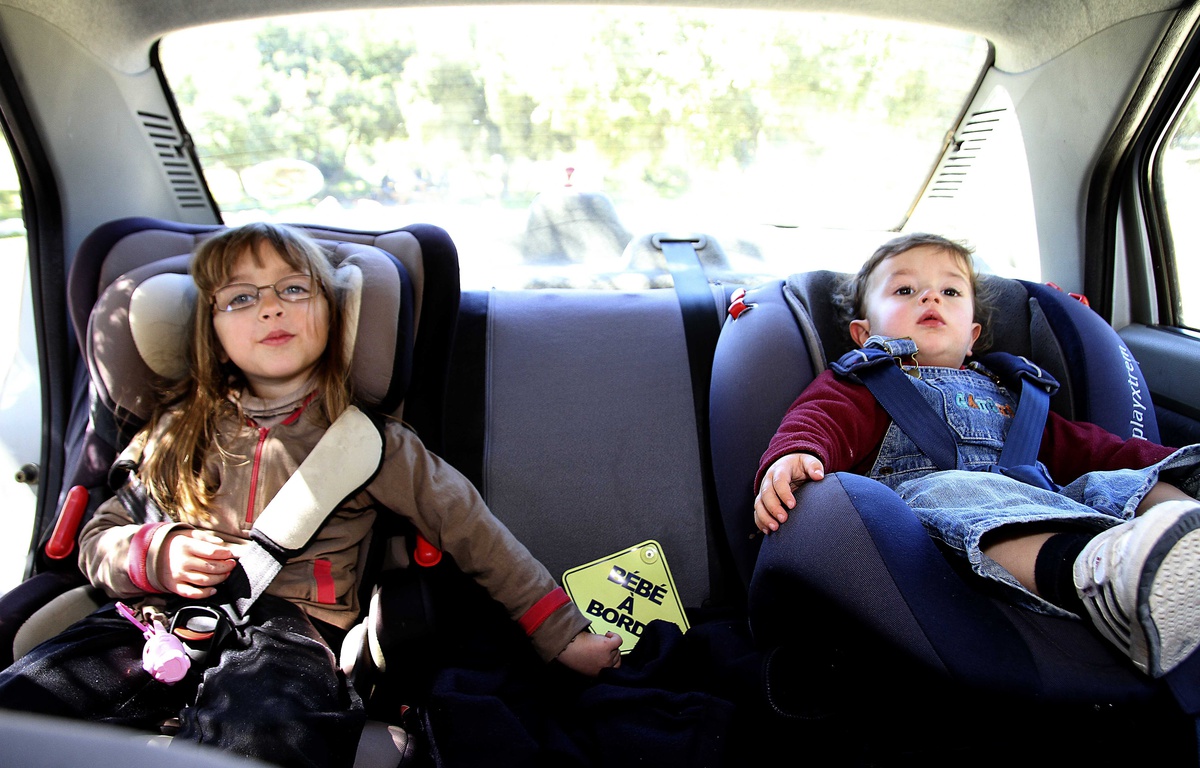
x: 1024, y: 438
x: 877, y: 366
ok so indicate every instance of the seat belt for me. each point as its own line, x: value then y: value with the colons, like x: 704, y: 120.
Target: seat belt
x: 701, y: 318
x: 1024, y: 438
x: 702, y: 323
x: 877, y: 365
x: 345, y: 458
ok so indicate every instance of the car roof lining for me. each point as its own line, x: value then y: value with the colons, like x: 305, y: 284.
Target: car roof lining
x: 1024, y: 34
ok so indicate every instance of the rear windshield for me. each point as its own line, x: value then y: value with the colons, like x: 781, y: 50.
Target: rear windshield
x: 549, y: 141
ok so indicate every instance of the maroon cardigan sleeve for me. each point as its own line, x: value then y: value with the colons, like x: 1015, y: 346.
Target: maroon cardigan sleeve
x: 834, y: 419
x: 842, y: 424
x: 1073, y: 448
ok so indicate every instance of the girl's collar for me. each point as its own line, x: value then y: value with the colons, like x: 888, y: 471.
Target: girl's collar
x: 263, y: 411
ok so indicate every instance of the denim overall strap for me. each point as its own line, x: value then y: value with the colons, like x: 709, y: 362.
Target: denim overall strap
x: 877, y: 366
x: 1024, y: 438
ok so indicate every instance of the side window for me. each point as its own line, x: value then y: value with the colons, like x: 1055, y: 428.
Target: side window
x: 1179, y: 175
x: 20, y: 390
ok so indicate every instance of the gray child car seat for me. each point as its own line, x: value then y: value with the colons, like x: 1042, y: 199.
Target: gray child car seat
x: 131, y: 297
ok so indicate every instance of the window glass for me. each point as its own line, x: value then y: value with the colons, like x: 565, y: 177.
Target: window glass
x: 1179, y: 169
x: 20, y: 390
x: 544, y: 139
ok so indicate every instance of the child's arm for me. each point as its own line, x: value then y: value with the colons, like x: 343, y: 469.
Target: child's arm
x: 447, y: 510
x: 1071, y: 448
x: 126, y: 558
x: 589, y: 653
x: 775, y: 493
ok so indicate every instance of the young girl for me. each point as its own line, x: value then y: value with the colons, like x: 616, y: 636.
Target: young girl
x: 1103, y: 546
x: 269, y: 374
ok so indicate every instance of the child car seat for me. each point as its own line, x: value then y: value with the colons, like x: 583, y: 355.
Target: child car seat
x: 851, y: 597
x: 130, y: 300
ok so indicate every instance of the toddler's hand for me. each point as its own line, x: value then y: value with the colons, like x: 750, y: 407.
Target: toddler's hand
x: 194, y: 562
x: 589, y: 653
x: 776, y: 492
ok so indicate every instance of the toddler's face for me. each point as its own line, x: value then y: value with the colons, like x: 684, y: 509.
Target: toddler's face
x: 277, y: 344
x: 923, y: 293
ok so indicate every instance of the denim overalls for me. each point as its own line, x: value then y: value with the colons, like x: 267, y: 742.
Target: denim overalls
x: 958, y: 507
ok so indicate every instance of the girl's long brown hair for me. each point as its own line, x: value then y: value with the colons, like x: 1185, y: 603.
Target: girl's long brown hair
x: 174, y: 471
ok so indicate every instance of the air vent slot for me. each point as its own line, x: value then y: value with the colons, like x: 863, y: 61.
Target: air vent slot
x: 171, y: 146
x: 969, y: 144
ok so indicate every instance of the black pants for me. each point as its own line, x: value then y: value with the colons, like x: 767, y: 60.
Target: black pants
x: 273, y: 692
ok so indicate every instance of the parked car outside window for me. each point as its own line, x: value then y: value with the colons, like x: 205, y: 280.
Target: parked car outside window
x: 523, y: 131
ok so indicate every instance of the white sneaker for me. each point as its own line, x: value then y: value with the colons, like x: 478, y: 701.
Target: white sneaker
x: 1140, y: 582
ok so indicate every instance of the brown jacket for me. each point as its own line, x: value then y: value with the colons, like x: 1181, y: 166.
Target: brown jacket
x: 121, y: 555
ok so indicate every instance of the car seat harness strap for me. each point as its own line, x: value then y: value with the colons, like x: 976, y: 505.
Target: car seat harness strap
x: 877, y: 365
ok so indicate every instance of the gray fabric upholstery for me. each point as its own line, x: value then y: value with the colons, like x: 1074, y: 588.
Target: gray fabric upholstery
x: 591, y: 434
x: 32, y: 741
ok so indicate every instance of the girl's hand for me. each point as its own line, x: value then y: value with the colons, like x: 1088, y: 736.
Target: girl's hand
x: 194, y: 562
x: 589, y: 653
x: 776, y: 493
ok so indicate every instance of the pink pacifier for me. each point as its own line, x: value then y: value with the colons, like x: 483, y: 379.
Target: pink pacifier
x: 163, y: 655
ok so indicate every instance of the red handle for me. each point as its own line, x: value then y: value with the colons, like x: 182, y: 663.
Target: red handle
x: 62, y: 540
x: 425, y: 553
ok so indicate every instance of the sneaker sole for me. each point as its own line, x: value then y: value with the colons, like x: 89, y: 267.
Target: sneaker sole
x: 1168, y: 600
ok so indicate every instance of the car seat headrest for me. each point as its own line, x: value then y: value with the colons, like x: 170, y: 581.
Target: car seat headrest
x: 1101, y: 381
x: 812, y: 296
x: 137, y: 332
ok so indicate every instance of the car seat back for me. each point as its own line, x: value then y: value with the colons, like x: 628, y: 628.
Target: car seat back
x: 574, y: 416
x: 407, y: 367
x: 407, y: 280
x: 780, y: 335
x: 855, y: 559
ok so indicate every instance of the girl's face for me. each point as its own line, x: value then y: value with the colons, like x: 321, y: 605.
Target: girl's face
x: 277, y: 344
x: 923, y: 293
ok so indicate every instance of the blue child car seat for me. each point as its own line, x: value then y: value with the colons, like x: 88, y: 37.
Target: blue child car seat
x: 853, y: 600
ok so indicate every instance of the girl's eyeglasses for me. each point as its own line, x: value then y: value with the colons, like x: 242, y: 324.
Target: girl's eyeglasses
x: 292, y: 289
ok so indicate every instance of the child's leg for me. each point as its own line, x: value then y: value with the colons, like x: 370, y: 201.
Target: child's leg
x: 93, y: 671
x: 1135, y: 581
x: 1042, y: 560
x: 1016, y: 550
x: 1022, y: 552
x: 276, y: 694
x: 1158, y: 493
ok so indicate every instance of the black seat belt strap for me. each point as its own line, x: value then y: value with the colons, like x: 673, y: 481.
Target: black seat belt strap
x: 701, y: 316
x: 702, y: 321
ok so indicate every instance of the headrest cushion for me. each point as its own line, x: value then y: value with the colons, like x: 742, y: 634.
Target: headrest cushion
x: 159, y: 309
x: 137, y: 332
